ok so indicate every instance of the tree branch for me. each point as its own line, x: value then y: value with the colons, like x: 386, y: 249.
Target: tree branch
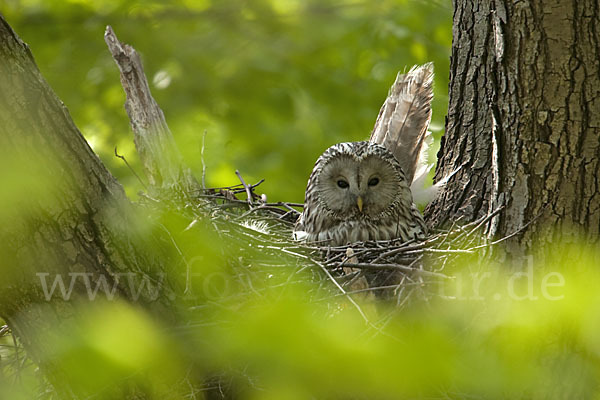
x: 163, y: 163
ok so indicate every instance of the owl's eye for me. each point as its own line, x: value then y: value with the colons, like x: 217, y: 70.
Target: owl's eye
x: 373, y: 181
x: 342, y: 184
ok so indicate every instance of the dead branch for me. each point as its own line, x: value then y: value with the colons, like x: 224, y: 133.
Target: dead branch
x: 163, y: 164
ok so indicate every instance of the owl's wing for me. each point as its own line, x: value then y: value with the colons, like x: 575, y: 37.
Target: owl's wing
x: 402, y: 124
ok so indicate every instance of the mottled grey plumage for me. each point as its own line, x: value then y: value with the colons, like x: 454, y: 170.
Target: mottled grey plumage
x: 402, y: 123
x: 358, y: 191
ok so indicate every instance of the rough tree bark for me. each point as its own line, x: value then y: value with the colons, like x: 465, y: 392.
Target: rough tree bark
x: 162, y: 161
x: 63, y: 214
x: 524, y: 120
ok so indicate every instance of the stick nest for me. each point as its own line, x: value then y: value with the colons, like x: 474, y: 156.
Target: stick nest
x: 259, y: 234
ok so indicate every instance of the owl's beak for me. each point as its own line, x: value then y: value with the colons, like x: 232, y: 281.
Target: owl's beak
x: 359, y: 203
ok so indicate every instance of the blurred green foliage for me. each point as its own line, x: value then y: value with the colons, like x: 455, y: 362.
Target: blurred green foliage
x: 489, y: 333
x: 258, y: 326
x: 272, y: 82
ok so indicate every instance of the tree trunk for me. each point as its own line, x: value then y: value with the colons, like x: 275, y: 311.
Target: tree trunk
x: 62, y: 215
x: 523, y: 122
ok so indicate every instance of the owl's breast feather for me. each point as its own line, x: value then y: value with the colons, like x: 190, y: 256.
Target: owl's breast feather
x: 352, y: 231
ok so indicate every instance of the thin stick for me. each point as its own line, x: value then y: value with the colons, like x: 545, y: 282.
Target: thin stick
x: 452, y: 251
x: 202, y: 159
x: 404, y: 247
x: 341, y: 289
x: 369, y: 289
x: 17, y: 357
x: 399, y: 267
x: 336, y: 283
x: 131, y: 169
x: 479, y: 223
x: 248, y: 190
x: 233, y: 187
x: 505, y: 237
x: 188, y: 268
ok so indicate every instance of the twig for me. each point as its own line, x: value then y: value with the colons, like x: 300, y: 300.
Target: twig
x: 445, y: 251
x: 233, y: 187
x: 248, y: 190
x: 332, y: 279
x: 188, y: 267
x: 202, y: 159
x: 479, y: 223
x: 265, y: 206
x: 287, y: 205
x: 402, y: 248
x: 369, y: 289
x: 17, y: 358
x: 454, y: 223
x: 399, y: 267
x: 341, y: 289
x: 130, y: 168
x: 513, y: 234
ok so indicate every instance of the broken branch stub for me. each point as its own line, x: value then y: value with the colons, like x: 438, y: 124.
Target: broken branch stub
x: 162, y: 161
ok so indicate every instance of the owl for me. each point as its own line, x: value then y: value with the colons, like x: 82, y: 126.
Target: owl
x: 360, y: 191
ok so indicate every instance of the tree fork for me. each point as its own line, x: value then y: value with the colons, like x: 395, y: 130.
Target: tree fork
x: 524, y: 121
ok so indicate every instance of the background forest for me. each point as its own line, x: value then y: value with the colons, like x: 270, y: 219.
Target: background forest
x: 272, y: 82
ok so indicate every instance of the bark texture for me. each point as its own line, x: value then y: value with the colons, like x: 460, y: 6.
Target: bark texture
x: 163, y: 164
x: 523, y: 122
x: 62, y: 214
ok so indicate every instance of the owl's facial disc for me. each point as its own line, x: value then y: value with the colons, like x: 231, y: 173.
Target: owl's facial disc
x: 350, y: 187
x: 379, y: 183
x: 338, y: 186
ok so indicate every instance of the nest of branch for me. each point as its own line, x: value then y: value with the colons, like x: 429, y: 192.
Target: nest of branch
x: 389, y: 270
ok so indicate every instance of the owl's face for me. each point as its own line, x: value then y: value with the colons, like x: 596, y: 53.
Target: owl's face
x: 360, y: 180
x: 357, y: 192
